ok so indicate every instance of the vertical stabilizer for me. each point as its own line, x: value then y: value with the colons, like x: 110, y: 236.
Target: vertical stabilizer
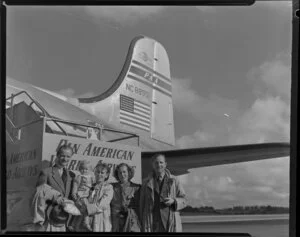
x: 141, y: 98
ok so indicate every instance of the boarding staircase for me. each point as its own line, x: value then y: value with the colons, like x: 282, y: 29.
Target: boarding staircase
x: 23, y: 110
x: 32, y: 138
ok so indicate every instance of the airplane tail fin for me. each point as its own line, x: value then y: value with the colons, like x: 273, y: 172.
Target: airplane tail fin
x: 141, y: 97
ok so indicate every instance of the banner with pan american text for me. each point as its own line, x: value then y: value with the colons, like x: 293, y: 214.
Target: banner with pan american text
x: 111, y: 153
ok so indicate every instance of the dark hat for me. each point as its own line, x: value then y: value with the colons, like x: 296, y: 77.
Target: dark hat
x: 56, y: 215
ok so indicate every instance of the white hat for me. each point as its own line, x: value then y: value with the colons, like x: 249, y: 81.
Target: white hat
x: 70, y: 208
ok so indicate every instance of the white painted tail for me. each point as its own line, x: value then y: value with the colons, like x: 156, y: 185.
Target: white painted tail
x: 141, y: 98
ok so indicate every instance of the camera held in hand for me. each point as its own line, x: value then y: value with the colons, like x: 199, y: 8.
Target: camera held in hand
x: 123, y: 211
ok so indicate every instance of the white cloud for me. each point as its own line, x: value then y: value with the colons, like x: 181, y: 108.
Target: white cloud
x: 229, y: 197
x: 222, y: 184
x: 196, y: 193
x: 266, y: 120
x: 86, y: 95
x: 69, y: 92
x: 263, y: 189
x: 186, y: 99
x: 195, y: 140
x: 252, y: 183
x: 282, y: 195
x: 279, y: 6
x: 208, y: 9
x: 274, y: 76
x: 196, y: 180
x: 209, y: 111
x: 183, y: 178
x: 123, y: 14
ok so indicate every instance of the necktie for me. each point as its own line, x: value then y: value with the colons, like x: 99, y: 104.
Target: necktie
x: 158, y: 181
x: 159, y: 184
x: 64, y: 176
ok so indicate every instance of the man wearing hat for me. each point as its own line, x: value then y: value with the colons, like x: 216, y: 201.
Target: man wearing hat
x: 53, y: 194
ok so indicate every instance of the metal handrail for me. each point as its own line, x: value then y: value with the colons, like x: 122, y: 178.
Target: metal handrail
x: 10, y: 121
x: 9, y: 136
x: 47, y: 116
x: 131, y: 135
x: 13, y: 128
x: 38, y: 105
x: 70, y: 122
x: 27, y: 124
x: 22, y: 125
x: 112, y: 130
x: 64, y: 132
x: 91, y: 126
x: 56, y: 120
x: 123, y: 138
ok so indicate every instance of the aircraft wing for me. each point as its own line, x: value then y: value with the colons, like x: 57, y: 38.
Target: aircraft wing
x: 180, y: 161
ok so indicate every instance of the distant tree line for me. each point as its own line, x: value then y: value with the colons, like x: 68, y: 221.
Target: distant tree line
x: 236, y: 210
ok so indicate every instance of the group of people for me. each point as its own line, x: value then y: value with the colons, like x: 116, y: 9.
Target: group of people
x: 64, y: 201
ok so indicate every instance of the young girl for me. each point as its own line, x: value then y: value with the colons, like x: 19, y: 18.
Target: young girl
x: 124, y: 205
x: 81, y: 191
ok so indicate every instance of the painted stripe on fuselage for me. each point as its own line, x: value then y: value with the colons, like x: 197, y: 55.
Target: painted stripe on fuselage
x: 134, y: 124
x: 137, y: 117
x: 142, y: 103
x: 150, y: 77
x: 147, y: 84
x: 142, y: 109
x: 151, y: 70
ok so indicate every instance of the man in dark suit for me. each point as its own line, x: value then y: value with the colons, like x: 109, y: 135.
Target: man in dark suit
x: 56, y: 178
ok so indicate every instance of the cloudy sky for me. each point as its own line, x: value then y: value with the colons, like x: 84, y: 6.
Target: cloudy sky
x: 230, y: 68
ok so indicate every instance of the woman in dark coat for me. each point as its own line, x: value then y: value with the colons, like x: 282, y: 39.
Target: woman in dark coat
x: 124, y: 205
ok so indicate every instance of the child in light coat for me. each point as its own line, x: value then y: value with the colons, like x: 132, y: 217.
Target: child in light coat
x: 81, y: 191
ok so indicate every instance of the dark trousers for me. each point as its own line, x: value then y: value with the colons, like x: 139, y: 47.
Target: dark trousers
x: 158, y: 225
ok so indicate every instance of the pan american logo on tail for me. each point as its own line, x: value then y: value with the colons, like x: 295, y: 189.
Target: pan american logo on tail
x: 149, y: 77
x: 143, y: 56
x: 134, y: 113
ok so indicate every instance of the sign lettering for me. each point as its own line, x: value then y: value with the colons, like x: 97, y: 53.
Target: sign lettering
x: 148, y: 76
x: 137, y: 90
x: 130, y: 87
x: 20, y: 157
x: 75, y: 147
x: 95, y: 152
x: 20, y: 172
x: 74, y: 165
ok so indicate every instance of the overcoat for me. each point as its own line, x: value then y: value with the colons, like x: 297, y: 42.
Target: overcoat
x: 43, y: 194
x: 52, y: 177
x: 63, y: 186
x: 171, y: 187
x: 125, y: 203
x: 98, y: 207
